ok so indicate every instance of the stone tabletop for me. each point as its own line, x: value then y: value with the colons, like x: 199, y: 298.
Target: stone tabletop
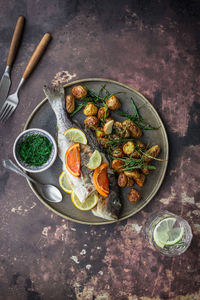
x: 153, y: 46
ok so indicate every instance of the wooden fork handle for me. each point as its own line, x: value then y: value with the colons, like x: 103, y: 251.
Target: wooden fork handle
x: 15, y: 41
x: 37, y: 55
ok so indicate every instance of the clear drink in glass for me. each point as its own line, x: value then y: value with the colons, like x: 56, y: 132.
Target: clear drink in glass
x: 168, y: 233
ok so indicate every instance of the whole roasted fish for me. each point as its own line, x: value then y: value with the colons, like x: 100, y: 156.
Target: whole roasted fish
x: 107, y: 208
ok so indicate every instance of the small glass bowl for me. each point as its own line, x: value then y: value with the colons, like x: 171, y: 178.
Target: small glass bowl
x: 21, y: 137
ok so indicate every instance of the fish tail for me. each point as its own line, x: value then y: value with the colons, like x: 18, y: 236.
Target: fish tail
x: 54, y: 94
x: 56, y: 98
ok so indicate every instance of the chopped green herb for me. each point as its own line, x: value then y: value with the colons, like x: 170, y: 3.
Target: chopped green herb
x: 35, y: 150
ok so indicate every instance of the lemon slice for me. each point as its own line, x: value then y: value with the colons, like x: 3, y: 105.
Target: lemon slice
x: 108, y: 127
x: 64, y: 183
x: 95, y: 160
x: 76, y: 135
x: 165, y: 235
x: 88, y: 204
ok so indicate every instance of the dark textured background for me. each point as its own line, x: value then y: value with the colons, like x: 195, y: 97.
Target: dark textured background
x: 153, y: 46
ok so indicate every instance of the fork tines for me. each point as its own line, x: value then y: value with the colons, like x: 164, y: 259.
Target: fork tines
x: 6, y: 112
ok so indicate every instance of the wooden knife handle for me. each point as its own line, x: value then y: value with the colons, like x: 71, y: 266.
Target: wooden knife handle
x: 15, y: 41
x: 37, y: 55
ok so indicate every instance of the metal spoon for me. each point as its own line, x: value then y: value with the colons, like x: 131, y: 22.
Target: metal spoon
x: 48, y: 191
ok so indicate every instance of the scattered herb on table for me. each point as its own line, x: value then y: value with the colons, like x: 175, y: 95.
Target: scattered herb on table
x: 35, y: 150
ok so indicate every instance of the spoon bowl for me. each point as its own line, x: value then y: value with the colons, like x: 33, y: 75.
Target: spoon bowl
x: 50, y: 193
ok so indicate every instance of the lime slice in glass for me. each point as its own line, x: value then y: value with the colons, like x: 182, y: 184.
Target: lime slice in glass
x: 165, y: 235
x: 175, y: 235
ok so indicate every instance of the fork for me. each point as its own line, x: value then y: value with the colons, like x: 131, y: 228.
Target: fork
x: 13, y: 100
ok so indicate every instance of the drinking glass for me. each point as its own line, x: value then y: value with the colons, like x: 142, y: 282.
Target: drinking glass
x: 173, y: 227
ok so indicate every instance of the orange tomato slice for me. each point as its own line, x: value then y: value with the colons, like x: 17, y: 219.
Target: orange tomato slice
x: 100, y: 180
x: 73, y: 160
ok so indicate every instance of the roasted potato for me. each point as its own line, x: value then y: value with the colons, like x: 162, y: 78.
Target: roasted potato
x: 79, y: 91
x: 138, y: 177
x: 118, y: 152
x: 91, y: 122
x: 122, y: 180
x: 134, y: 174
x: 130, y: 181
x: 99, y: 133
x: 128, y: 148
x: 140, y: 181
x: 153, y: 151
x: 70, y: 103
x: 134, y: 130
x: 145, y: 171
x: 113, y: 103
x: 120, y: 129
x: 117, y: 165
x: 101, y: 113
x: 103, y: 142
x: 90, y: 109
x: 134, y: 196
x: 136, y: 154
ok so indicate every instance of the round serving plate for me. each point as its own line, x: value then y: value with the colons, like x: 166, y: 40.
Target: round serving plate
x: 43, y: 117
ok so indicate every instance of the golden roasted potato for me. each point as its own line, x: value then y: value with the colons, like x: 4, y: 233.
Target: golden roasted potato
x: 91, y: 122
x: 120, y: 129
x: 79, y: 91
x: 134, y: 130
x: 118, y: 152
x: 113, y: 103
x: 130, y: 181
x: 90, y: 109
x: 138, y: 177
x: 70, y: 103
x: 122, y: 180
x: 128, y: 148
x: 134, y: 174
x: 134, y: 196
x: 101, y: 113
x: 117, y: 164
x: 99, y: 133
x: 140, y: 181
x: 153, y: 151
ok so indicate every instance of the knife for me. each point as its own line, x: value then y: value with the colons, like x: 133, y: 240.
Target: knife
x: 5, y: 80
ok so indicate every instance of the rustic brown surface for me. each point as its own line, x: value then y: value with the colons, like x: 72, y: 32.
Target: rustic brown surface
x: 152, y: 46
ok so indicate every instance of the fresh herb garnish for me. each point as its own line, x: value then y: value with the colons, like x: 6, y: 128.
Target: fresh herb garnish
x: 35, y: 150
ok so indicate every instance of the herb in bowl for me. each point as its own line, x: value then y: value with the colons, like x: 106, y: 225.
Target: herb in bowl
x: 35, y: 150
